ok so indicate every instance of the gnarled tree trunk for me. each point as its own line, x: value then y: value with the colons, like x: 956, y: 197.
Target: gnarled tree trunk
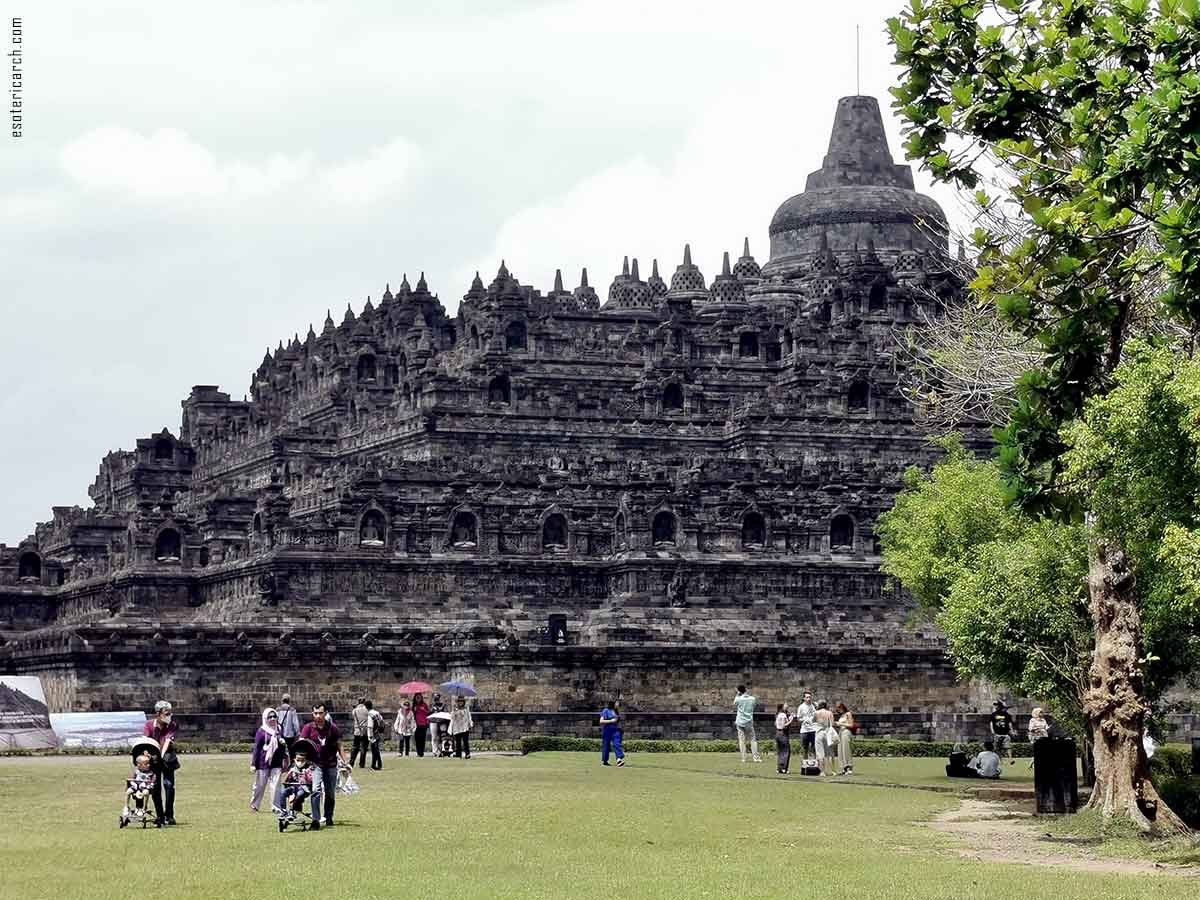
x: 1113, y: 703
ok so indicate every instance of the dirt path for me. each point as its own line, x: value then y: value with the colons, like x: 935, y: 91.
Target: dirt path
x: 1002, y: 832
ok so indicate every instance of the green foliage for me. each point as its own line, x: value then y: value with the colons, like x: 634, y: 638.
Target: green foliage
x: 1134, y: 461
x: 1183, y: 796
x: 1018, y: 615
x: 938, y: 520
x: 1171, y: 761
x: 1088, y: 110
x: 1006, y: 588
x: 864, y: 747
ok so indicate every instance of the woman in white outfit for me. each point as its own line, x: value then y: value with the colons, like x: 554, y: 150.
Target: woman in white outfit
x: 827, y: 739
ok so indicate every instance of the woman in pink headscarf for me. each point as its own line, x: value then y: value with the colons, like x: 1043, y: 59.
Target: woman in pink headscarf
x: 269, y: 758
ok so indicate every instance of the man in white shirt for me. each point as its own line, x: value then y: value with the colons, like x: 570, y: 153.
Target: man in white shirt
x: 987, y: 762
x: 805, y: 712
x: 744, y: 704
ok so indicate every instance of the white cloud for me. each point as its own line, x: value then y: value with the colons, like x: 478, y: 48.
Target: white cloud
x: 251, y: 176
x: 167, y: 167
x: 381, y: 172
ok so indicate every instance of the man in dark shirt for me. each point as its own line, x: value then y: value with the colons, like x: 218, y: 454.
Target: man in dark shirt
x: 326, y: 737
x: 1001, y: 725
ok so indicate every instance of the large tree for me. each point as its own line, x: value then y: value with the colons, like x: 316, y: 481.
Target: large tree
x: 1005, y: 587
x: 1077, y: 122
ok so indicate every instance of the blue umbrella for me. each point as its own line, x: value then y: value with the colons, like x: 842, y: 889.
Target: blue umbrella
x: 457, y: 688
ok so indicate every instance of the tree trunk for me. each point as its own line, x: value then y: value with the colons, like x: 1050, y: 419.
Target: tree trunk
x: 1113, y: 703
x: 1087, y: 758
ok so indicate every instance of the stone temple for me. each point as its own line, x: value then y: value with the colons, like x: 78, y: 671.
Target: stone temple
x: 658, y: 491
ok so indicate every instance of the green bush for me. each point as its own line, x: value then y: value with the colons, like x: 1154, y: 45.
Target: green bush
x: 535, y: 743
x: 1172, y: 761
x: 1182, y: 795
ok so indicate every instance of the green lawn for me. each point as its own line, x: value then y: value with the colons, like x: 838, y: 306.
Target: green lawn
x: 546, y: 825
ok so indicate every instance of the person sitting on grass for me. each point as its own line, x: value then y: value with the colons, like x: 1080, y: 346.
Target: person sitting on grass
x: 956, y: 765
x: 986, y: 763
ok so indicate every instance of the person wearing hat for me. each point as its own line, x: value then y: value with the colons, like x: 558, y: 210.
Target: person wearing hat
x: 1001, y: 726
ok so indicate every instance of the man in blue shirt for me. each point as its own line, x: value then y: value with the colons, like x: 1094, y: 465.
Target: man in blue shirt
x: 610, y: 733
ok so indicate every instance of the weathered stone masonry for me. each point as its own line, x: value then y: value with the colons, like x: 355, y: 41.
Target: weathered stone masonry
x: 658, y: 493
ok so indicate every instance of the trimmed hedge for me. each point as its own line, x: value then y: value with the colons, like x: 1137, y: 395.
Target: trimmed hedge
x: 536, y: 743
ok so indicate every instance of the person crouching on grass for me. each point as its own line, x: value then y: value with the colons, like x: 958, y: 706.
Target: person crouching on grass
x: 460, y: 729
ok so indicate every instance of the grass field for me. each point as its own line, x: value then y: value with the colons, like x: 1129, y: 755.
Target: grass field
x: 546, y: 825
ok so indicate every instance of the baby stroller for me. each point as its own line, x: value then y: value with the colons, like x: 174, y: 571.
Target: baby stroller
x: 295, y: 796
x: 139, y: 789
x: 445, y: 745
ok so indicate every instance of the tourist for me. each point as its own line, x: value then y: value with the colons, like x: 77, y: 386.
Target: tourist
x: 296, y: 786
x: 826, y: 742
x: 359, y: 717
x: 808, y: 726
x: 435, y: 725
x: 846, y: 728
x: 289, y: 722
x: 161, y: 729
x: 460, y: 729
x: 986, y: 763
x: 1039, y: 728
x: 610, y: 733
x: 404, y: 726
x: 1001, y: 726
x: 268, y: 759
x: 326, y: 737
x: 138, y: 788
x: 375, y: 729
x: 783, y: 743
x: 421, y: 716
x: 956, y: 765
x: 744, y: 704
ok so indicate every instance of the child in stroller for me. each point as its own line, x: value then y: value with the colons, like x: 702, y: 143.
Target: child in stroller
x: 445, y: 745
x: 298, y: 787
x: 139, y: 787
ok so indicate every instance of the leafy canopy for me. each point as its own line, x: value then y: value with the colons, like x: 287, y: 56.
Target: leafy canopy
x: 1005, y: 588
x: 1008, y: 587
x: 1087, y: 114
x: 1134, y: 461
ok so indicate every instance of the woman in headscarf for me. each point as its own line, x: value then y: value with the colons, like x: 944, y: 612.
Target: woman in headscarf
x: 269, y: 758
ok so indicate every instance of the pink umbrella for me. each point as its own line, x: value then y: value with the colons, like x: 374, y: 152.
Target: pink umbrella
x: 415, y: 687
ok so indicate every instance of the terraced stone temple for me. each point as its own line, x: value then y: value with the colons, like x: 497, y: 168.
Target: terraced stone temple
x: 656, y: 491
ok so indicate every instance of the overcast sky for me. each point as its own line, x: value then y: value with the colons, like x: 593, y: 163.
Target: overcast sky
x: 198, y: 181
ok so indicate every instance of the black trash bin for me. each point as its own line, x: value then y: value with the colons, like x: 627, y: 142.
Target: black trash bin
x: 1196, y: 756
x: 1055, y: 776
